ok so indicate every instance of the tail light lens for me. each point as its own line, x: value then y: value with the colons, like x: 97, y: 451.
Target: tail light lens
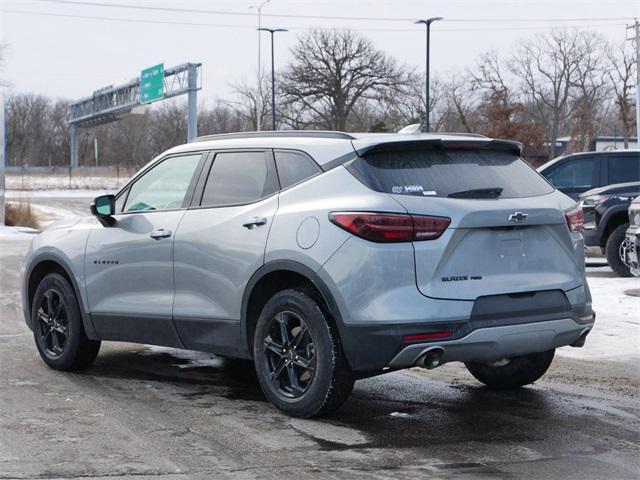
x: 575, y: 218
x: 390, y: 227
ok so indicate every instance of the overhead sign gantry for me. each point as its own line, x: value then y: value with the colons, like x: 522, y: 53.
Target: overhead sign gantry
x: 154, y: 84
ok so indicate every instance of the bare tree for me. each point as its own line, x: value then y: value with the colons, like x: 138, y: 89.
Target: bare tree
x: 620, y: 69
x: 246, y: 102
x: 499, y: 112
x: 27, y: 125
x: 406, y: 104
x: 461, y: 102
x: 221, y: 118
x: 590, y: 88
x: 547, y: 67
x: 332, y: 71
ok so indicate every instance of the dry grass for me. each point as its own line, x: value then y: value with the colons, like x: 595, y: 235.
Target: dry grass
x: 20, y: 214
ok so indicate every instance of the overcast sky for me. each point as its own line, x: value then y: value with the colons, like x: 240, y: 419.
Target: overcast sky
x: 67, y: 54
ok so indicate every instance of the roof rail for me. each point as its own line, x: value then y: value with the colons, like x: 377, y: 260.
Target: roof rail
x: 278, y: 134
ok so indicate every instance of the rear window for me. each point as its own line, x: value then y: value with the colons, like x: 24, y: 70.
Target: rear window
x: 439, y: 173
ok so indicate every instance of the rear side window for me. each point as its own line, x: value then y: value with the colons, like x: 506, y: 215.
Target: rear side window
x: 294, y: 167
x: 575, y: 173
x: 439, y: 173
x: 238, y: 178
x: 624, y: 168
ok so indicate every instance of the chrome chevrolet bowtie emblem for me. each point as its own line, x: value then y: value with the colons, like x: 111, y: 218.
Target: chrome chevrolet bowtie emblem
x: 518, y: 217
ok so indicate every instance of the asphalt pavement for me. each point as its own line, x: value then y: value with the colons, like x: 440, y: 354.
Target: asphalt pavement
x: 145, y: 412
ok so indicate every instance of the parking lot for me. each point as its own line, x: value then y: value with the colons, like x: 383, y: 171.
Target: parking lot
x: 144, y: 411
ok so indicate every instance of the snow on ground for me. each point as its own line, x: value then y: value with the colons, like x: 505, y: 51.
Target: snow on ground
x: 57, y: 193
x: 52, y: 205
x: 616, y: 333
x: 189, y: 359
x: 82, y: 178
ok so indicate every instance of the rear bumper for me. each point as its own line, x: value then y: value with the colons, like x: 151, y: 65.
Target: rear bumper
x: 374, y: 348
x: 490, y: 344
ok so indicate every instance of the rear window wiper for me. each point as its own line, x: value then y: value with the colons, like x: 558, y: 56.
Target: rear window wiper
x: 491, y: 192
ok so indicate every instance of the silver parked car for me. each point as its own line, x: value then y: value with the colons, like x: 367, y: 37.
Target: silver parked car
x: 324, y: 257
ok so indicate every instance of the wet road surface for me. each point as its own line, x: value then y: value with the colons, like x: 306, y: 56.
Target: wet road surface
x: 145, y: 412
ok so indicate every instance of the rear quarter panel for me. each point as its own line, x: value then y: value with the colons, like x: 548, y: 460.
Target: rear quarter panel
x: 302, y: 231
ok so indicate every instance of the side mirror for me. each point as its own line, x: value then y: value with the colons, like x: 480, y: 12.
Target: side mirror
x: 103, y: 206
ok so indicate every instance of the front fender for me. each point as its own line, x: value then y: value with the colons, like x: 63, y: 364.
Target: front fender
x: 66, y: 248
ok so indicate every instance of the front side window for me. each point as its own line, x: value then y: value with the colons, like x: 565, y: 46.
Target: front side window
x: 294, y: 167
x: 624, y: 168
x: 574, y: 173
x: 238, y: 178
x: 163, y: 187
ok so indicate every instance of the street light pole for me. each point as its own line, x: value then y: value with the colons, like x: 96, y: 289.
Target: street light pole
x: 272, y: 31
x: 259, y: 99
x: 427, y: 23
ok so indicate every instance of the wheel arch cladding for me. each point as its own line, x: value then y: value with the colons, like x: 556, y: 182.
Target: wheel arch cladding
x: 274, y: 277
x: 42, y: 266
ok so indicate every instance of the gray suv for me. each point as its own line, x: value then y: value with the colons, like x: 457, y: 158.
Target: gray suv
x: 324, y: 257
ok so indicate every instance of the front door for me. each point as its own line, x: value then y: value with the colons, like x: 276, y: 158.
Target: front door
x: 129, y: 264
x: 220, y: 243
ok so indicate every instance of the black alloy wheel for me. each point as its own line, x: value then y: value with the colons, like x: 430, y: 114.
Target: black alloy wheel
x: 298, y: 357
x: 58, y: 330
x: 290, y: 356
x: 53, y: 324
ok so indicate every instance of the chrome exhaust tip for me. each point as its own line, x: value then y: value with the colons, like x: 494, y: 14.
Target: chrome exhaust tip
x: 430, y: 359
x: 581, y: 339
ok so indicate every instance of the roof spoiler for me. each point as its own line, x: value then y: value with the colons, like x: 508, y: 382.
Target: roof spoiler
x: 440, y: 144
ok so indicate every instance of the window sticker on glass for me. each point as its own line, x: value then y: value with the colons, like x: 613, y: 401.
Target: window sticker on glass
x: 407, y: 189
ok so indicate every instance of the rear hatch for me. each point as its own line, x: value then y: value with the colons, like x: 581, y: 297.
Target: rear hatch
x: 508, y: 232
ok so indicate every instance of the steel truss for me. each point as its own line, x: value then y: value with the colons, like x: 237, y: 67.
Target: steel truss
x: 110, y: 103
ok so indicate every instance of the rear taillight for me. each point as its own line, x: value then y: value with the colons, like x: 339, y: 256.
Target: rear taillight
x: 575, y: 219
x: 390, y: 227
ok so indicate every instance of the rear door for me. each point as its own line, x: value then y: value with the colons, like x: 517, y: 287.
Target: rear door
x: 514, y: 241
x: 220, y: 243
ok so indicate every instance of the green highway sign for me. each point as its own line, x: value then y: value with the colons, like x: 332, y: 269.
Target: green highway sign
x: 152, y: 84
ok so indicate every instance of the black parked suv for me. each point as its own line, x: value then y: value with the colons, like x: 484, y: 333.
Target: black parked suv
x: 579, y: 172
x: 606, y: 220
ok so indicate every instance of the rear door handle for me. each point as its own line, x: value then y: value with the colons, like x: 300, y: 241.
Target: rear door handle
x: 160, y: 233
x: 255, y: 222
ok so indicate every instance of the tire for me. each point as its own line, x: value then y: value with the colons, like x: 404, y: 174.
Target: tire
x: 298, y: 358
x: 612, y: 251
x: 57, y: 326
x: 518, y: 372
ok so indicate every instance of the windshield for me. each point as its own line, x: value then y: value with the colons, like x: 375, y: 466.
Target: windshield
x: 455, y: 173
